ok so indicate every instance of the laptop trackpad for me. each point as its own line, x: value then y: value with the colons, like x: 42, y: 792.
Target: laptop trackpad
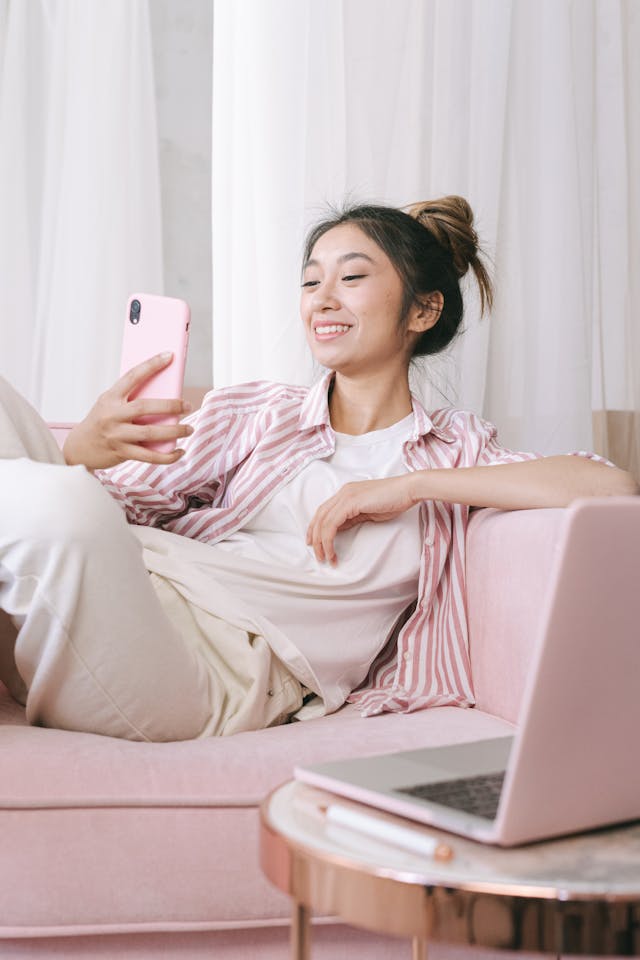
x: 432, y: 764
x: 392, y: 771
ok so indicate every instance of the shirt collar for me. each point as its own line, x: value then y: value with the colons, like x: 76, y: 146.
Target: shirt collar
x: 315, y: 412
x: 315, y: 407
x: 425, y: 425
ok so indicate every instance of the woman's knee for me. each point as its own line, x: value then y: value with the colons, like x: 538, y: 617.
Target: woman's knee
x: 53, y: 502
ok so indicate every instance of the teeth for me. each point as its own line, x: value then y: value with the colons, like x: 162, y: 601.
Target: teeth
x: 334, y: 328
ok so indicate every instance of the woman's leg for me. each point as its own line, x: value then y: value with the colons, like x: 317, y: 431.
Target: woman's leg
x: 23, y: 432
x: 102, y: 647
x: 94, y: 648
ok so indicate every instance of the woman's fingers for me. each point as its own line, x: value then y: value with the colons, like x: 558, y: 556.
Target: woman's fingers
x: 147, y: 455
x: 355, y: 503
x: 131, y: 441
x: 109, y: 434
x: 142, y: 371
x: 117, y: 429
x: 338, y: 513
x: 320, y: 536
x: 136, y: 433
x: 140, y: 407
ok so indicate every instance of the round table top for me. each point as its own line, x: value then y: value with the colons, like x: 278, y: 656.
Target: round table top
x: 602, y: 865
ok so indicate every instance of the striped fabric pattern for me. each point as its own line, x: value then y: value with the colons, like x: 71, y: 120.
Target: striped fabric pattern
x: 250, y: 440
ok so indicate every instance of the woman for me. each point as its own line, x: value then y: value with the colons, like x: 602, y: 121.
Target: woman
x: 268, y: 559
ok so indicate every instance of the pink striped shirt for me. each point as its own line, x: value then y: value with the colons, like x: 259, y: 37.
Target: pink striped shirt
x: 250, y: 440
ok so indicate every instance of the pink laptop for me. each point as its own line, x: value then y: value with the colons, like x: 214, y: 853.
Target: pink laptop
x: 573, y: 763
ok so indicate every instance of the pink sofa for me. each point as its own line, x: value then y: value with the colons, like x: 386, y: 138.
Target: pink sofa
x: 117, y: 849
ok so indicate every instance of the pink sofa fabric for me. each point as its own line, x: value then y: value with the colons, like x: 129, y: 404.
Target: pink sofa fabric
x: 120, y: 849
x: 166, y: 835
x: 508, y: 572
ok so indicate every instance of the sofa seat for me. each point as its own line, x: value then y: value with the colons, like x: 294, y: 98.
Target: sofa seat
x: 126, y: 837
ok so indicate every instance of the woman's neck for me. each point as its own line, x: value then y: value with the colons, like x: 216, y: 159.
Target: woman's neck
x: 360, y: 405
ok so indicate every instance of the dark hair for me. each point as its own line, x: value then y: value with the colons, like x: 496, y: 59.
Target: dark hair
x: 431, y: 245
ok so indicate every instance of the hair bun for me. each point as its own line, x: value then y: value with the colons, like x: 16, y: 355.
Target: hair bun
x: 450, y: 220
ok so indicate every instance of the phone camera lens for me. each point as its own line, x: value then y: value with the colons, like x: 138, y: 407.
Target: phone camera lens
x: 134, y: 312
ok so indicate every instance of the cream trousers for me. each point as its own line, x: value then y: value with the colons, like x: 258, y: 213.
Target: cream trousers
x: 100, y: 632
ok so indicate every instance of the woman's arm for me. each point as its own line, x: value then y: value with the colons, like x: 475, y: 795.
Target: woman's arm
x: 546, y: 482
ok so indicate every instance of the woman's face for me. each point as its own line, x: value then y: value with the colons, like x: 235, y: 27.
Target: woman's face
x: 351, y: 303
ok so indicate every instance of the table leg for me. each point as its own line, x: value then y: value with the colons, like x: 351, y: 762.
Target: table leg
x: 300, y: 933
x: 418, y: 949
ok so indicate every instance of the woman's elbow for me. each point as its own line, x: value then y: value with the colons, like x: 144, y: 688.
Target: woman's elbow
x: 633, y: 487
x: 621, y: 483
x: 597, y: 478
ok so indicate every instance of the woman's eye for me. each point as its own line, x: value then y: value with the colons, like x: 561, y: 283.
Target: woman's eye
x: 354, y: 276
x: 310, y: 283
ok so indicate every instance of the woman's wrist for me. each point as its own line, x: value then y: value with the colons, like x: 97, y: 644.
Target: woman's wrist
x: 418, y: 484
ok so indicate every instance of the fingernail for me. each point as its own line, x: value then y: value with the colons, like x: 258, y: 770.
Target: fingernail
x: 186, y: 406
x: 166, y: 356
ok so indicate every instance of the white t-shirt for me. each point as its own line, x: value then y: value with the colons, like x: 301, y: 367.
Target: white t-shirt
x: 338, y: 617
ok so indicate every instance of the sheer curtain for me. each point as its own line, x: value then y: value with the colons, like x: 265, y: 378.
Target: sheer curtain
x: 526, y: 107
x: 79, y: 193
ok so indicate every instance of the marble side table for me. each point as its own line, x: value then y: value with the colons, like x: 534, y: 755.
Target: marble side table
x: 575, y: 895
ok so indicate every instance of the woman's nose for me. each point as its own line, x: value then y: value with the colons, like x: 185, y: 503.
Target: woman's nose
x: 324, y: 298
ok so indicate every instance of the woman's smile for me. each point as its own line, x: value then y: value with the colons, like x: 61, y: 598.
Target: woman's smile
x: 324, y: 330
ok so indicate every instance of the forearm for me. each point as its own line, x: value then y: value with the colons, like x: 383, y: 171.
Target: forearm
x: 546, y: 482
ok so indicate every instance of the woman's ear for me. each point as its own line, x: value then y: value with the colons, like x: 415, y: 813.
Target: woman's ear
x: 425, y: 313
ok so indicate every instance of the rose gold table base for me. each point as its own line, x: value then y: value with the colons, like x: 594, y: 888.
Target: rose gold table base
x: 301, y: 936
x: 418, y: 949
x: 300, y: 932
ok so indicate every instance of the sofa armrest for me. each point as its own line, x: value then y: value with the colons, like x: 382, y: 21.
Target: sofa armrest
x: 509, y: 563
x: 60, y: 431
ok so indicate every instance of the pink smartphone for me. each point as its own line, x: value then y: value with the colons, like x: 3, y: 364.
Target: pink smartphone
x: 153, y: 325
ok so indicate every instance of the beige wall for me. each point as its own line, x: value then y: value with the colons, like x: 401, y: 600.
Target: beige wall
x: 616, y: 435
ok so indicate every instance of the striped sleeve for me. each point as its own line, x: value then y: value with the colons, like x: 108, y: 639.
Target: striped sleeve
x: 489, y: 449
x: 226, y: 427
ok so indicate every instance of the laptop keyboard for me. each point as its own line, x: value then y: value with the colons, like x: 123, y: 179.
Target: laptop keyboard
x: 479, y: 795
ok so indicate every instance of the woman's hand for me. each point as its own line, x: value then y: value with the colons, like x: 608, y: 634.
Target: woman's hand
x: 108, y: 435
x: 374, y: 500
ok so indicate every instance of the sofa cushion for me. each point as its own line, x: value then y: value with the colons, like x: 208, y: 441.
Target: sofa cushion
x: 105, y: 835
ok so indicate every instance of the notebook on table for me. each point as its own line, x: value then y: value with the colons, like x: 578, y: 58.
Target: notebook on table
x: 572, y: 764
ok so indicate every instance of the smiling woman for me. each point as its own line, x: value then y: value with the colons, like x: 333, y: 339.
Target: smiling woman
x: 383, y: 263
x: 291, y: 532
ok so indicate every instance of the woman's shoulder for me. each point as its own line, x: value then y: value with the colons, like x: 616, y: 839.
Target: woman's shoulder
x: 460, y: 424
x: 255, y: 395
x: 473, y: 440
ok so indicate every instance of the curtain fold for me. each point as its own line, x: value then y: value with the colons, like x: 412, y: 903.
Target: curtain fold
x: 526, y: 107
x: 79, y: 193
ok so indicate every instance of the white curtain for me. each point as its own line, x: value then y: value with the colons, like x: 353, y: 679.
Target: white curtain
x: 79, y: 193
x: 529, y: 108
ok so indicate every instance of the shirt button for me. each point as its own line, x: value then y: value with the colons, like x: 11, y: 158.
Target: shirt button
x: 406, y: 656
x: 243, y: 513
x: 285, y: 469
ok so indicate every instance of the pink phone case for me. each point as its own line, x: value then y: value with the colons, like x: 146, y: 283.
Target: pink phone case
x: 153, y: 325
